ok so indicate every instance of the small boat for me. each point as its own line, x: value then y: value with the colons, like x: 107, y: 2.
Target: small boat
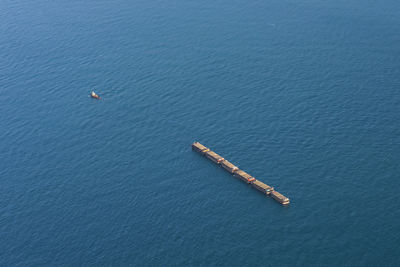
x: 94, y: 95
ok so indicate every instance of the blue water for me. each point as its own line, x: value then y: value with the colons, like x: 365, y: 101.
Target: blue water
x: 304, y: 95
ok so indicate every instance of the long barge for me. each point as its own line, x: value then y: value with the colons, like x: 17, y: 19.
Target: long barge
x: 242, y: 175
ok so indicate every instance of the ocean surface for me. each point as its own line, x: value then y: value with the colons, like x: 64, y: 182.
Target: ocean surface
x: 304, y: 95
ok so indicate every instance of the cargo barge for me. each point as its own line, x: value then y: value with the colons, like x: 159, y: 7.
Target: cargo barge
x: 214, y: 157
x: 229, y: 166
x: 280, y: 198
x: 260, y: 186
x: 200, y: 148
x: 242, y: 175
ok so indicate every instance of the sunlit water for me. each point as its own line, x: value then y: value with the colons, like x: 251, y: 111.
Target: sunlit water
x: 304, y: 95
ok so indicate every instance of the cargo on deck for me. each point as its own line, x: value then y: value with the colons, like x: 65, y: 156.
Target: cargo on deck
x: 229, y: 166
x: 244, y: 176
x: 199, y: 148
x: 280, y: 198
x: 214, y: 157
x: 266, y: 189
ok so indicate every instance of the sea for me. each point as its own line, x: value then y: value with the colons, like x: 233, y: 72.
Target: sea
x: 302, y: 94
